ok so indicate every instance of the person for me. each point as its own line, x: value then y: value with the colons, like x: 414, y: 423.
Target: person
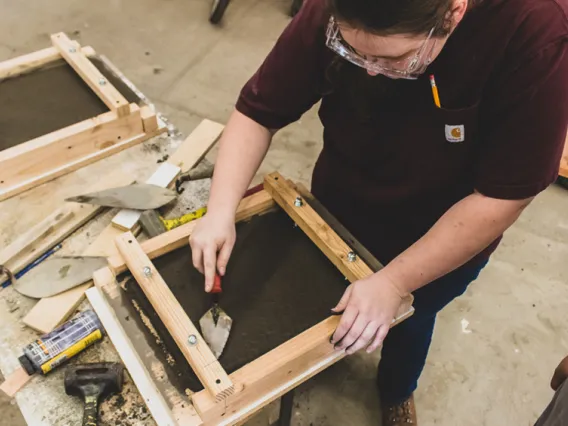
x: 556, y: 414
x: 427, y: 176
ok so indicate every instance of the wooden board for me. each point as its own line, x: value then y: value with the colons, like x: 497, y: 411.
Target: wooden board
x: 188, y: 155
x: 198, y: 354
x: 80, y: 215
x: 131, y: 360
x: 112, y: 98
x: 178, y: 237
x: 31, y: 61
x: 68, y: 151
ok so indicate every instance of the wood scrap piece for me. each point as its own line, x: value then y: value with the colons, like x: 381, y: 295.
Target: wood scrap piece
x: 126, y: 219
x: 131, y: 360
x: 187, y: 337
x: 15, y: 381
x: 112, y: 98
x: 336, y: 250
x: 190, y: 152
x: 51, y: 312
x: 26, y: 241
x: 31, y: 61
x: 178, y: 237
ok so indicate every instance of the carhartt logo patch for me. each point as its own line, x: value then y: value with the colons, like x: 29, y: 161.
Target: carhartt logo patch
x: 455, y: 133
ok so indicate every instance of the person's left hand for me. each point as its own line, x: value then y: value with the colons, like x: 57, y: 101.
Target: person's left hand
x: 368, y: 306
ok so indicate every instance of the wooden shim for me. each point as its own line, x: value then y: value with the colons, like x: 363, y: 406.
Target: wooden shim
x: 267, y: 378
x: 15, y: 381
x: 55, y: 154
x: 131, y: 360
x: 190, y: 152
x: 127, y: 219
x: 199, y: 355
x: 26, y: 241
x: 104, y: 89
x: 26, y: 63
x: 178, y: 237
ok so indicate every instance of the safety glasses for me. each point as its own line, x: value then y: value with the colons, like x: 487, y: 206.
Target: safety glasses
x: 409, y: 68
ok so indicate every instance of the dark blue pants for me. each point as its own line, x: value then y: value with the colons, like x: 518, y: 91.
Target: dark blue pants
x: 406, y: 346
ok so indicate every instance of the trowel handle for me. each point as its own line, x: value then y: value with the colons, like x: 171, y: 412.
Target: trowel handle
x: 217, y: 284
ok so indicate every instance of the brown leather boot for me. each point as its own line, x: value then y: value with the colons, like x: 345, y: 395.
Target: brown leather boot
x: 403, y: 414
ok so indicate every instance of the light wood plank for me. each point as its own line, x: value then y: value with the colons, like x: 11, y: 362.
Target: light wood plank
x: 127, y: 219
x: 31, y: 61
x: 26, y: 241
x: 178, y: 237
x: 81, y: 215
x: 50, y: 156
x: 199, y: 355
x: 15, y: 381
x: 190, y: 152
x: 131, y: 360
x: 104, y: 89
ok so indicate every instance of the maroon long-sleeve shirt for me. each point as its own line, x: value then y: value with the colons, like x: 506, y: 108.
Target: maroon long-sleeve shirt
x: 392, y: 162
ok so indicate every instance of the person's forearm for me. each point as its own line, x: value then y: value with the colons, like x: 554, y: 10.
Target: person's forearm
x: 243, y: 145
x: 461, y: 233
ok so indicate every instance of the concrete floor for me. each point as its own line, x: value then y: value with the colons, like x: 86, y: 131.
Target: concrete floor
x: 494, y: 349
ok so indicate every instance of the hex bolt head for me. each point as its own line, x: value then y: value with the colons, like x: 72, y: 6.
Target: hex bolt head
x: 192, y: 339
x: 351, y: 256
x: 298, y: 202
x: 102, y: 82
x: 147, y: 271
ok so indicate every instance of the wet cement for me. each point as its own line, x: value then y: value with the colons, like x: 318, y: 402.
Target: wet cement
x: 49, y: 99
x: 277, y: 285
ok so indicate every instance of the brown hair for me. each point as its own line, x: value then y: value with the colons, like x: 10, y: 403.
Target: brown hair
x: 388, y: 17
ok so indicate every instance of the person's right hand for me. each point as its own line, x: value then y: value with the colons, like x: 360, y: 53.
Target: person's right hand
x: 211, y: 244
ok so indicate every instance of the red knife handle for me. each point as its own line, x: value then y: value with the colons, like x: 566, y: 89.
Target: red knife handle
x: 217, y: 284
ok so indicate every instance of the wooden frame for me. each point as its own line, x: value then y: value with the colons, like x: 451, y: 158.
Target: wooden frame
x: 47, y: 157
x: 564, y: 161
x: 253, y: 386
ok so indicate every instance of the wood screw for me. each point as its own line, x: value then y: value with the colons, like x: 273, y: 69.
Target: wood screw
x: 192, y: 340
x: 102, y: 82
x: 351, y: 256
x: 147, y: 271
x: 72, y: 50
x: 298, y: 202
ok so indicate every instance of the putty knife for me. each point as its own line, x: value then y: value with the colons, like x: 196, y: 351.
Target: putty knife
x: 138, y: 196
x: 215, y: 323
x: 58, y: 274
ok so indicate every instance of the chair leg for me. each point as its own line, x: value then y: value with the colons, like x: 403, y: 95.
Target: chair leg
x: 286, y: 407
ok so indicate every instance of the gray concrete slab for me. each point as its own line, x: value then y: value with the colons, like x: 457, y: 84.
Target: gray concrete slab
x: 494, y: 348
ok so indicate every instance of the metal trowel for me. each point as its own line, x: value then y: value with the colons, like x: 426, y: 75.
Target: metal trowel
x: 215, y: 323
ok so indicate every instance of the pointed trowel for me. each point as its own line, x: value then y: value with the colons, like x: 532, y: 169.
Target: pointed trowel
x: 215, y: 323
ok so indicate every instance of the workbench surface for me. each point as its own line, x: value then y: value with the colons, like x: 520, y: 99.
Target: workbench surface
x: 43, y: 401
